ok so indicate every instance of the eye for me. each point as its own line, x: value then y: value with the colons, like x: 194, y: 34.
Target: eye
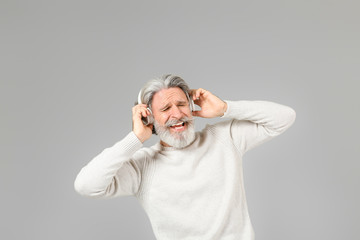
x: 165, y: 109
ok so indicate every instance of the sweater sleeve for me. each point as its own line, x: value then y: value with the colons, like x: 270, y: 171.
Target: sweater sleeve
x: 255, y: 122
x: 113, y: 172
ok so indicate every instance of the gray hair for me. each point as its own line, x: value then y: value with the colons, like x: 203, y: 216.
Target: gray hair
x: 164, y: 82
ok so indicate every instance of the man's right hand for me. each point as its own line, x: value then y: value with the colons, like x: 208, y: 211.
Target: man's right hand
x: 142, y: 131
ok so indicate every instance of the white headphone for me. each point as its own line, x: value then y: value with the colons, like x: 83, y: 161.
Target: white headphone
x: 150, y: 119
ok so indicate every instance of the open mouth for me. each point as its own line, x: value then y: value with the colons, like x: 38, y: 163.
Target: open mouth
x: 178, y: 126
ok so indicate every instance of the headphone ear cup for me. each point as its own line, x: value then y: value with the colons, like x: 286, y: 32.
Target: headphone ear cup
x: 192, y: 105
x: 150, y: 118
x: 191, y: 102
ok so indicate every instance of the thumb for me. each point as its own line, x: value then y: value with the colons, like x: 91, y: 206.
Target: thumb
x: 196, y: 113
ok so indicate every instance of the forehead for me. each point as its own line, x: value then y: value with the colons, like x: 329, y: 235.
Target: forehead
x: 169, y: 95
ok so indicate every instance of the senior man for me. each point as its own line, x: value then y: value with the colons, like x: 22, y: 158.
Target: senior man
x: 190, y: 183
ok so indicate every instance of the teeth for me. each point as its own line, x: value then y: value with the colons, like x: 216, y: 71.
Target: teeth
x: 177, y: 125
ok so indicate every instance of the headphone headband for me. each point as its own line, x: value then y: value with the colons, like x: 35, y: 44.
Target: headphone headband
x: 139, y: 97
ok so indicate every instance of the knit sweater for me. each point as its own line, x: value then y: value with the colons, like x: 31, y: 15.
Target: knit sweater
x: 196, y: 192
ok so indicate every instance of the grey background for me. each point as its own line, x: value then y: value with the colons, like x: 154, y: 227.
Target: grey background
x: 71, y: 71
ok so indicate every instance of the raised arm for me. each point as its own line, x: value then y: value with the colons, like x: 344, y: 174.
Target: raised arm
x: 116, y: 171
x: 257, y: 121
x: 254, y: 122
x: 113, y: 172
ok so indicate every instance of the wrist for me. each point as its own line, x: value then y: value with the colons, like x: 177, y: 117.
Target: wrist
x: 139, y: 136
x: 224, y: 108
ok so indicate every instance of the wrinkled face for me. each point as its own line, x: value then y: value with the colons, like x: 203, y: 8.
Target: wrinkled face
x: 173, y: 118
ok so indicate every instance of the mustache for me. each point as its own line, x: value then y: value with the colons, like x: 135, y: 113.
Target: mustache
x: 175, y: 121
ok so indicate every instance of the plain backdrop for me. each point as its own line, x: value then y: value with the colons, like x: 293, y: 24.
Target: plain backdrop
x: 71, y: 72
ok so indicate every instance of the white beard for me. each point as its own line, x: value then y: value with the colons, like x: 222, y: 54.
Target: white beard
x: 176, y: 139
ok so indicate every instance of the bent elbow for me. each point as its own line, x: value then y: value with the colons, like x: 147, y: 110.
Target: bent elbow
x: 288, y: 116
x: 288, y: 119
x: 80, y: 187
x: 83, y: 188
x: 89, y: 188
x: 292, y: 116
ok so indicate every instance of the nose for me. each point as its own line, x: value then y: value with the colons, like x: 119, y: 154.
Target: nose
x: 176, y: 112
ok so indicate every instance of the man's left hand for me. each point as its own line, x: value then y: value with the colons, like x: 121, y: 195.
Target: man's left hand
x: 211, y: 105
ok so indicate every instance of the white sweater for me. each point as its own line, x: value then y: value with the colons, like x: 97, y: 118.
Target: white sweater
x: 194, y: 193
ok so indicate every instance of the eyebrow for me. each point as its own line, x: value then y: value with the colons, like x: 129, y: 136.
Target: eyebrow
x: 178, y: 102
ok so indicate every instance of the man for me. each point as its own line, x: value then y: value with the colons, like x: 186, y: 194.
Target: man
x: 190, y: 184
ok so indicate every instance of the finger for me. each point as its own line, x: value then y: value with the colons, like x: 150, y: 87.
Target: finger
x: 136, y: 107
x: 144, y: 112
x: 137, y: 115
x: 200, y: 92
x: 197, y: 93
x: 196, y: 113
x: 139, y: 112
x: 148, y: 112
x: 142, y: 107
x: 192, y: 93
x: 198, y: 102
